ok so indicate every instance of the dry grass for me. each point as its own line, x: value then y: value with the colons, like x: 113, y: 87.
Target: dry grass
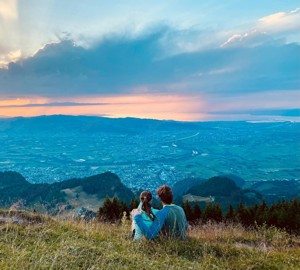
x: 70, y: 244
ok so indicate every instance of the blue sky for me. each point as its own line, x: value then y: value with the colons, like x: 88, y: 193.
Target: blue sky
x: 184, y: 60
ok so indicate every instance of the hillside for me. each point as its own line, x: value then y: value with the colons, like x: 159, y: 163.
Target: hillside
x: 88, y: 192
x: 181, y: 187
x: 225, y: 191
x: 45, y: 243
x: 273, y: 190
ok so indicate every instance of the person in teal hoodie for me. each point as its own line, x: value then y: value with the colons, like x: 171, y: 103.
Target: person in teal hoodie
x: 170, y: 221
x: 147, y: 214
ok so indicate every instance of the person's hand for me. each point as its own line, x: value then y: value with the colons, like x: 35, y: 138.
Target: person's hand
x: 135, y: 212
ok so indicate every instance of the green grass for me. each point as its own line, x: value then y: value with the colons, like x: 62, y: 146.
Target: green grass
x: 47, y: 243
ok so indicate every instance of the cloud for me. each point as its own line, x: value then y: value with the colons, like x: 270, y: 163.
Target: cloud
x: 288, y: 21
x: 268, y: 30
x: 52, y: 104
x: 189, y: 40
x: 253, y: 38
x: 12, y: 56
x: 123, y: 64
x: 8, y: 10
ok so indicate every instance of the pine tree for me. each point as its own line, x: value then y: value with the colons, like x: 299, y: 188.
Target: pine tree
x: 188, y: 211
x: 116, y: 209
x: 134, y: 203
x: 293, y: 216
x: 218, y: 216
x: 230, y: 216
x: 124, y: 208
x: 212, y: 212
x: 272, y: 216
x: 197, y: 212
x: 104, y: 212
x: 261, y: 215
x: 243, y: 215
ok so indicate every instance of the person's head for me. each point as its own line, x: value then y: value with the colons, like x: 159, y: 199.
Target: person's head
x: 146, y: 198
x: 165, y: 194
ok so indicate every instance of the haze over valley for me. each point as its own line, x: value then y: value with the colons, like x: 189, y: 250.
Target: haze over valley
x: 148, y: 153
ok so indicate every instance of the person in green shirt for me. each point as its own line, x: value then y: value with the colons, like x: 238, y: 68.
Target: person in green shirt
x: 169, y: 221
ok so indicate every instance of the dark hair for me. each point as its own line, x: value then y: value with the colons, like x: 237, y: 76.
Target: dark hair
x: 146, y: 198
x: 165, y: 194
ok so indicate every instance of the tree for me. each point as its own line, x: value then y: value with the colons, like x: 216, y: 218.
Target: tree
x: 293, y: 216
x: 230, y: 216
x: 104, y: 212
x: 116, y: 209
x: 243, y: 215
x: 212, y: 212
x: 134, y: 203
x: 261, y: 213
x: 188, y: 210
x: 123, y: 207
x: 110, y: 210
x: 197, y: 212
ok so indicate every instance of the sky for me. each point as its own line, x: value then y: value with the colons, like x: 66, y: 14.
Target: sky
x: 186, y: 60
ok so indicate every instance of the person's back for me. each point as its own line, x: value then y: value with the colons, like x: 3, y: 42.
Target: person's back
x: 146, y: 219
x: 170, y: 221
x: 147, y: 214
x: 175, y: 224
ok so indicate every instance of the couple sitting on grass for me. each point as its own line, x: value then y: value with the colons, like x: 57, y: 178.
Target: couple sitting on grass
x: 170, y: 221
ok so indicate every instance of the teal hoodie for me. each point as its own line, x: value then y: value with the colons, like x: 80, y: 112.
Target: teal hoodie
x: 147, y: 221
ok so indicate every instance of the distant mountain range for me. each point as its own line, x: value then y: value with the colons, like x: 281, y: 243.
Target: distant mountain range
x: 87, y: 124
x: 57, y: 124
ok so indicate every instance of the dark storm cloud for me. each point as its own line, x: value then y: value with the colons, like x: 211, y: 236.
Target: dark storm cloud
x: 120, y: 64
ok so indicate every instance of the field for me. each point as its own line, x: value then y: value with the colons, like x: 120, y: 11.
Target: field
x: 150, y: 156
x: 44, y: 243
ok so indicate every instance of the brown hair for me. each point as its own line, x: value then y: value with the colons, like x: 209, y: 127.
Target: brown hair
x: 146, y: 198
x: 165, y: 194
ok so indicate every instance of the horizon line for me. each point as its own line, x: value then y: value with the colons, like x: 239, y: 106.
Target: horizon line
x: 294, y: 118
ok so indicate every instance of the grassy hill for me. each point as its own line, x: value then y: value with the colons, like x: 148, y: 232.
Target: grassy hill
x: 40, y: 242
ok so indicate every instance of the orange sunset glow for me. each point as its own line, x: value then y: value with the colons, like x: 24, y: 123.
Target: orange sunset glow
x: 179, y: 107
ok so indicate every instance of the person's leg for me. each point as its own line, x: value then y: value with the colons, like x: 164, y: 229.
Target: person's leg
x: 133, y: 233
x: 132, y: 229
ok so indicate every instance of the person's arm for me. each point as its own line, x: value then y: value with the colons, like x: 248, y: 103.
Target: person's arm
x: 152, y: 231
x: 186, y: 224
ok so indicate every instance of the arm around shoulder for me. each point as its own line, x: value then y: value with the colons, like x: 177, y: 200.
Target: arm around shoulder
x: 152, y: 231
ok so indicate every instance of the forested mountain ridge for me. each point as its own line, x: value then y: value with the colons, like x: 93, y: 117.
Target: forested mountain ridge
x: 88, y: 191
x: 225, y: 192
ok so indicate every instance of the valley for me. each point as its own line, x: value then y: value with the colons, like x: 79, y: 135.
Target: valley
x: 148, y: 153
